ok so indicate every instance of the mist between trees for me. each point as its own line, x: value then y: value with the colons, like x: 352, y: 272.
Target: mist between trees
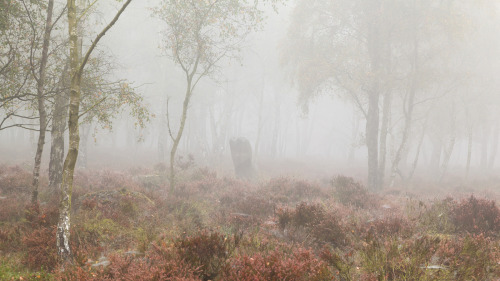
x: 396, y: 88
x: 383, y: 90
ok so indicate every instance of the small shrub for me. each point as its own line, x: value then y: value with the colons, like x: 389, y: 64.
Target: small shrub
x: 12, y: 208
x: 301, y: 265
x: 473, y: 257
x: 308, y: 214
x: 128, y: 268
x: 286, y: 190
x: 312, y: 220
x: 40, y: 248
x: 159, y: 264
x: 206, y: 251
x: 41, y: 217
x: 122, y: 206
x: 349, y: 192
x: 40, y: 239
x: 396, y: 259
x: 241, y: 222
x: 437, y: 218
x: 190, y: 215
x: 256, y: 206
x: 285, y: 217
x: 475, y: 215
x: 342, y: 263
x: 11, y: 237
x: 14, y: 180
x: 392, y: 226
x: 251, y: 204
x: 329, y: 230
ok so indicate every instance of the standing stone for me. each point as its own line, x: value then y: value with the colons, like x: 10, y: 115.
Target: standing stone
x: 241, y: 152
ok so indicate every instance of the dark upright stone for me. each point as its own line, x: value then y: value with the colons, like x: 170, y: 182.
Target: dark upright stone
x: 241, y: 152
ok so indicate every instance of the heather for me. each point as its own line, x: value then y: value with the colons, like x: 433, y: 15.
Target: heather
x: 127, y: 226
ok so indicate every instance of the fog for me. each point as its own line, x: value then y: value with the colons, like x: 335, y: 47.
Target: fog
x: 249, y: 140
x: 300, y: 86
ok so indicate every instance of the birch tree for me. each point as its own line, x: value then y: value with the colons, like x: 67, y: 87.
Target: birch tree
x: 76, y: 68
x: 198, y: 35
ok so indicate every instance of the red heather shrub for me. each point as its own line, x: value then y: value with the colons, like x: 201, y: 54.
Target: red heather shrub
x: 41, y: 217
x: 207, y: 251
x: 323, y: 226
x: 342, y: 263
x: 329, y: 230
x: 399, y: 259
x: 122, y: 206
x: 392, y: 226
x: 474, y: 257
x: 475, y: 215
x: 349, y: 192
x: 11, y: 237
x: 251, y: 204
x: 40, y: 240
x: 308, y: 214
x: 277, y: 266
x: 158, y: 268
x: 14, y: 180
x: 199, y: 184
x: 241, y: 221
x: 41, y: 248
x: 89, y: 181
x: 85, y: 244
x: 157, y: 265
x: 286, y: 190
x: 204, y: 180
x: 437, y: 217
x: 285, y: 217
x: 12, y: 207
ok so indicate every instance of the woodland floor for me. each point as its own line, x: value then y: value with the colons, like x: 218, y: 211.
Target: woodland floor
x: 128, y: 225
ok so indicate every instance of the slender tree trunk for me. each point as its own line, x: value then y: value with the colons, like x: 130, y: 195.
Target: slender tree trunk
x: 83, y: 150
x: 372, y: 123
x: 469, y: 153
x: 373, y: 9
x: 59, y: 119
x: 57, y: 141
x: 41, y: 101
x: 437, y: 151
x: 494, y: 149
x: 354, y: 135
x: 63, y: 226
x: 408, y: 110
x: 177, y: 139
x: 260, y: 120
x: 484, y: 145
x: 417, y: 156
x: 383, y: 135
x: 162, y: 135
x: 448, y: 150
x: 213, y: 129
x: 76, y: 69
x: 406, y: 135
x: 277, y: 116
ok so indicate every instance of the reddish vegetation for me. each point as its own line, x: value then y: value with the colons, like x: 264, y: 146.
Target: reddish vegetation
x: 126, y: 226
x: 477, y: 216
